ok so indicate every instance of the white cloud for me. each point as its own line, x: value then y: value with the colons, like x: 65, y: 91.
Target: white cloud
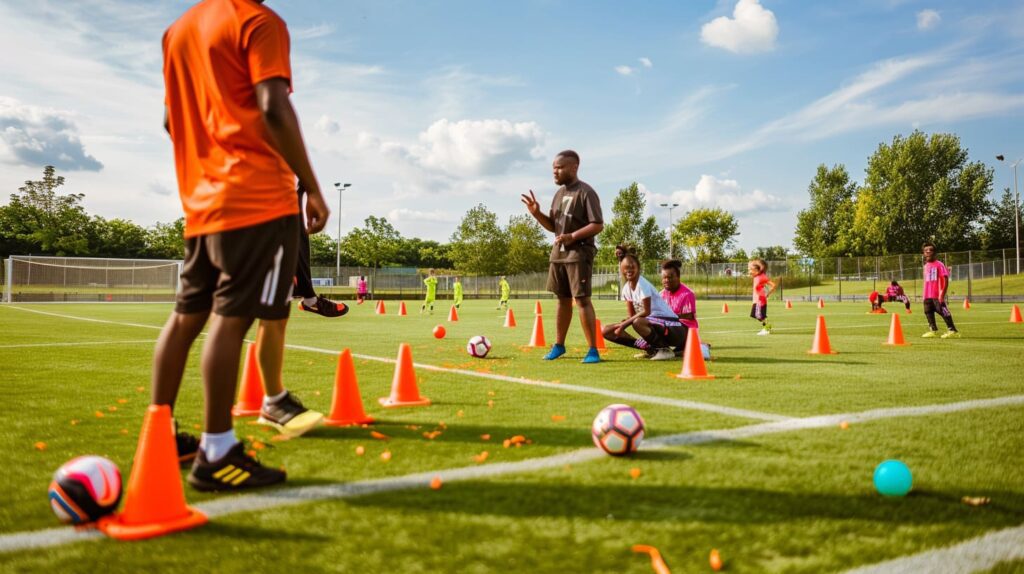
x: 751, y: 29
x: 403, y: 215
x: 624, y: 70
x: 646, y: 62
x: 727, y: 194
x: 927, y: 19
x: 311, y: 32
x: 34, y: 136
x: 327, y: 125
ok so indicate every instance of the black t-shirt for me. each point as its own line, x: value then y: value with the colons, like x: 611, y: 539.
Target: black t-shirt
x: 574, y: 207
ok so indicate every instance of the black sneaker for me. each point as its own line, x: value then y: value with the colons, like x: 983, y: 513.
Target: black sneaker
x: 188, y: 446
x: 289, y: 417
x: 234, y: 471
x: 326, y: 307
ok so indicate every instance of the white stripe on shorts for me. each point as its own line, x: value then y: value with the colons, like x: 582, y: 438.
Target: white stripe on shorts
x: 273, y: 275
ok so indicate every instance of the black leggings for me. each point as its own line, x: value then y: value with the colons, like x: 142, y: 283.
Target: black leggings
x: 933, y: 305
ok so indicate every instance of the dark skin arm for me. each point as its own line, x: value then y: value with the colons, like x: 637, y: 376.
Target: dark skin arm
x: 530, y: 201
x: 633, y: 315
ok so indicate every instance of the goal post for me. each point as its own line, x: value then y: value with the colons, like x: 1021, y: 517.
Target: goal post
x: 37, y: 279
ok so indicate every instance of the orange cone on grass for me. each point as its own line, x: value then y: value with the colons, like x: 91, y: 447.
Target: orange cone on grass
x: 821, y: 303
x: 789, y: 304
x: 693, y: 360
x: 821, y: 345
x: 154, y: 502
x: 401, y: 308
x: 250, y: 393
x: 453, y: 315
x: 536, y: 308
x: 537, y: 338
x: 377, y: 308
x: 1015, y: 315
x: 967, y: 304
x: 510, y: 318
x: 896, y: 332
x: 383, y: 308
x: 347, y: 404
x: 725, y: 308
x: 599, y: 343
x: 404, y: 392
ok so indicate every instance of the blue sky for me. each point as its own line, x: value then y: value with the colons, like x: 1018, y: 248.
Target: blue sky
x: 429, y: 108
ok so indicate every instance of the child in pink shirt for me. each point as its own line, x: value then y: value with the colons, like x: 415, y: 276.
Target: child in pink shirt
x: 936, y: 281
x: 763, y: 288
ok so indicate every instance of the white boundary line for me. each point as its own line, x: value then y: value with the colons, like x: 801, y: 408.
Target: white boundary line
x: 981, y: 553
x: 341, y: 490
x: 34, y: 345
x: 841, y: 327
x: 636, y: 397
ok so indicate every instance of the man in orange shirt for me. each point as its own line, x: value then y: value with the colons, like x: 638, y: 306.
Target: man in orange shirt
x: 237, y: 149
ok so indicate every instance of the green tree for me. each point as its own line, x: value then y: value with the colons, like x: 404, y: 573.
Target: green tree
x: 375, y: 244
x: 166, y: 240
x: 706, y: 233
x: 921, y: 188
x: 117, y: 238
x: 771, y: 253
x: 652, y: 240
x: 739, y: 256
x: 528, y: 248
x: 822, y: 229
x: 323, y: 251
x: 435, y: 255
x: 624, y: 227
x: 478, y: 245
x: 999, y: 225
x: 39, y: 220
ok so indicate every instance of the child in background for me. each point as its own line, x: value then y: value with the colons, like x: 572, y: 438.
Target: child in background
x: 763, y: 288
x: 876, y: 302
x: 506, y: 291
x: 431, y: 283
x: 680, y: 299
x: 936, y: 281
x: 657, y: 325
x: 895, y: 293
x: 458, y: 291
x: 361, y: 290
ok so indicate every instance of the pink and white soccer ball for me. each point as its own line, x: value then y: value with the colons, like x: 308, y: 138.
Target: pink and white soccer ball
x: 85, y: 489
x: 618, y: 430
x: 478, y: 346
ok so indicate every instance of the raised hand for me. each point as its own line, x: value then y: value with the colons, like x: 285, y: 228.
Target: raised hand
x: 530, y: 201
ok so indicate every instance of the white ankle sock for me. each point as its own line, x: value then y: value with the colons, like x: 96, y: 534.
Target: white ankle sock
x: 217, y: 444
x: 309, y: 301
x: 267, y: 401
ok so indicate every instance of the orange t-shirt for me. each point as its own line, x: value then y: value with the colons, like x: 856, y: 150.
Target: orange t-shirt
x: 229, y: 176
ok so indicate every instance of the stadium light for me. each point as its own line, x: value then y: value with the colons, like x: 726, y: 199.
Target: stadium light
x: 671, y: 243
x: 337, y: 262
x: 1016, y: 209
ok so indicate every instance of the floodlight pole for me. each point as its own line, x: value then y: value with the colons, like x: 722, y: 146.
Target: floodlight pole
x: 671, y: 242
x: 337, y: 262
x: 1016, y: 210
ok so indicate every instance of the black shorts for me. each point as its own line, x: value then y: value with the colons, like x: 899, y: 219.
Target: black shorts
x: 671, y: 334
x: 245, y: 272
x: 759, y: 311
x: 570, y: 279
x: 934, y: 305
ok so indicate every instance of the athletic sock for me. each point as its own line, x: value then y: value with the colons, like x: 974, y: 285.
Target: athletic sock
x: 641, y: 344
x: 268, y: 400
x: 309, y: 301
x: 217, y: 444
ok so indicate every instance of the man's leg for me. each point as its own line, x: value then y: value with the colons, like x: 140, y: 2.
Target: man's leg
x: 947, y: 316
x: 220, y: 369
x: 303, y: 273
x: 562, y: 319
x: 929, y: 313
x: 171, y: 354
x: 270, y: 350
x: 281, y: 409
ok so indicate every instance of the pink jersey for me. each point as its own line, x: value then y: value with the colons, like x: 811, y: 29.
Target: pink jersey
x: 682, y: 302
x: 361, y: 286
x: 932, y: 272
x: 760, y: 295
x: 894, y: 291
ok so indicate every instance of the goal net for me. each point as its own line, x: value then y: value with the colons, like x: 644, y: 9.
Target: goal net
x: 29, y: 279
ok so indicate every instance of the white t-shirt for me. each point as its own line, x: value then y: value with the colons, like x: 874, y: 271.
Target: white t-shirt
x: 644, y: 290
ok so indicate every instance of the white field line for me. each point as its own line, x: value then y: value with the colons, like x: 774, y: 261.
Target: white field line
x: 981, y: 553
x: 105, y: 321
x: 32, y: 345
x: 679, y: 403
x: 341, y: 490
x: 864, y: 326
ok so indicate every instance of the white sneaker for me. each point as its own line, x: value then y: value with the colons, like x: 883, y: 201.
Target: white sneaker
x: 665, y: 354
x: 764, y: 332
x: 705, y: 351
x: 644, y: 355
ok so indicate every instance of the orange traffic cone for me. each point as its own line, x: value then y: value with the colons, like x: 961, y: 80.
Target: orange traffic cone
x: 404, y: 392
x: 789, y: 304
x: 537, y: 338
x: 725, y: 308
x: 510, y: 318
x: 536, y: 308
x: 377, y: 308
x: 383, y: 309
x: 1015, y: 315
x: 896, y: 332
x: 250, y: 394
x: 967, y: 304
x: 693, y: 359
x: 821, y: 303
x: 453, y: 315
x: 821, y: 344
x: 599, y: 338
x: 401, y: 308
x: 154, y: 502
x: 347, y: 404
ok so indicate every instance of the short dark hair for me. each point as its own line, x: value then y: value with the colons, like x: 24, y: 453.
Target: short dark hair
x: 625, y: 249
x: 569, y: 154
x: 675, y: 264
x: 927, y: 244
x: 894, y: 283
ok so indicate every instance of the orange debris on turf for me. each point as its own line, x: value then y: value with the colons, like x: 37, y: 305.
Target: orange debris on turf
x: 518, y: 439
x: 379, y: 435
x: 458, y: 414
x: 975, y: 500
x: 432, y: 434
x: 657, y: 562
x: 40, y: 445
x: 140, y: 389
x: 490, y: 393
x: 122, y: 401
x: 258, y: 445
x: 435, y: 483
x: 844, y: 425
x: 490, y: 404
x: 385, y: 456
x: 736, y: 378
x: 112, y: 409
x: 634, y: 473
x: 715, y: 560
x: 441, y: 425
x: 317, y: 393
x: 197, y: 426
x: 360, y: 451
x: 280, y: 438
x: 123, y: 431
x: 557, y: 418
x: 99, y: 414
x: 479, y: 458
x: 413, y: 427
x: 74, y: 422
x: 506, y: 443
x: 251, y: 453
x: 485, y: 437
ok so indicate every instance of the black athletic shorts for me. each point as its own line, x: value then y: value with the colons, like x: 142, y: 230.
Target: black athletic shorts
x: 759, y: 311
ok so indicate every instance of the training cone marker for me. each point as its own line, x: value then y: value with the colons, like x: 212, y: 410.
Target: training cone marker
x: 404, y: 392
x: 599, y: 343
x: 510, y: 318
x: 789, y: 304
x: 536, y: 308
x: 1015, y: 315
x: 821, y: 303
x: 347, y: 404
x: 250, y: 393
x: 896, y: 332
x: 377, y: 308
x: 383, y: 308
x: 967, y: 304
x: 453, y: 314
x: 154, y: 502
x: 693, y: 359
x: 537, y: 338
x: 725, y: 308
x: 821, y: 344
x: 401, y: 308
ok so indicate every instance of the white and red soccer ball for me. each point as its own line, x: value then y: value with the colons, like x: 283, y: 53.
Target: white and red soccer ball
x: 85, y: 489
x: 478, y: 346
x: 618, y: 430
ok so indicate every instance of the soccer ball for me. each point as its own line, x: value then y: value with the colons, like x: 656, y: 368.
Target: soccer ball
x: 85, y: 489
x: 618, y: 430
x: 478, y: 346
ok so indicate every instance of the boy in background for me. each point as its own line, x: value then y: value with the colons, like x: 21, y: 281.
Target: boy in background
x: 431, y: 283
x: 936, y: 282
